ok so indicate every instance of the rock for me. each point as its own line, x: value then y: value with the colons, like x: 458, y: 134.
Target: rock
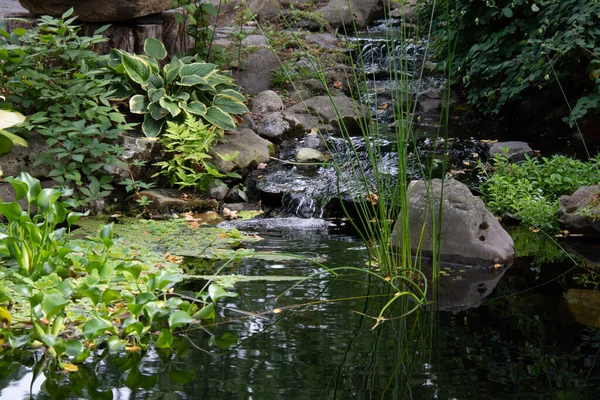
x: 299, y: 95
x: 308, y: 155
x: 169, y: 201
x: 404, y: 9
x: 136, y: 149
x: 236, y: 194
x: 580, y: 212
x: 98, y: 11
x: 315, y: 86
x: 581, y: 306
x: 253, y: 150
x: 278, y: 224
x: 266, y: 102
x: 217, y: 189
x: 470, y: 234
x: 326, y: 41
x: 256, y: 77
x: 319, y: 112
x: 516, y: 150
x: 278, y: 126
x: 352, y: 13
x: 255, y: 40
x: 21, y: 159
x: 430, y: 99
x: 7, y: 192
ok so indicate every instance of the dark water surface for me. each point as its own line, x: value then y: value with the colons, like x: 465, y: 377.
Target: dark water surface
x: 515, y: 345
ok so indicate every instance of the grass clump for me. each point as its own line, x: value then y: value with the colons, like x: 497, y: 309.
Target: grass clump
x: 530, y: 190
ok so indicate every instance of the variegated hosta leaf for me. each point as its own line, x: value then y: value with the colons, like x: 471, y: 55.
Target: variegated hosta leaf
x: 156, y: 111
x: 156, y: 82
x: 152, y: 127
x: 10, y: 118
x: 136, y: 68
x: 218, y: 117
x: 229, y: 104
x: 200, y: 69
x: 194, y: 107
x: 171, y: 71
x: 156, y: 94
x: 155, y: 48
x: 138, y: 104
x: 193, y: 80
x: 233, y: 93
x: 173, y: 108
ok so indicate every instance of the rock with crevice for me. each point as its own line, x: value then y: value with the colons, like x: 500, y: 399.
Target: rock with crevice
x: 278, y: 126
x: 308, y: 155
x: 514, y: 150
x: 470, y: 234
x: 350, y: 14
x: 256, y: 75
x: 22, y: 159
x: 266, y: 102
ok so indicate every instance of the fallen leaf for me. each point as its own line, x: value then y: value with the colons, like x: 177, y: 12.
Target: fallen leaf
x: 173, y: 259
x: 466, y: 163
x: 133, y: 348
x: 44, y: 321
x: 277, y: 311
x: 261, y: 166
x: 193, y: 224
x: 313, y: 131
x: 337, y: 85
x: 227, y: 213
x: 497, y: 265
x: 70, y: 368
x: 383, y: 106
x: 475, y: 154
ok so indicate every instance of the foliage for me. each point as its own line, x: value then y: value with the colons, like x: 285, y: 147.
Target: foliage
x: 530, y: 190
x: 7, y: 139
x: 197, y: 18
x: 189, y: 143
x: 73, y: 296
x: 504, y: 48
x: 179, y: 89
x: 48, y: 73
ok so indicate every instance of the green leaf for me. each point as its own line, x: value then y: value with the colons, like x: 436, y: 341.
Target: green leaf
x: 136, y: 68
x: 179, y: 318
x: 115, y: 345
x: 229, y: 104
x: 535, y: 8
x: 225, y: 341
x: 10, y: 118
x: 193, y: 80
x: 217, y: 117
x: 156, y: 82
x: 110, y: 295
x: 199, y: 69
x: 73, y: 217
x: 74, y: 348
x: 165, y: 339
x: 107, y: 234
x: 233, y: 93
x: 155, y: 48
x: 18, y: 342
x: 156, y: 94
x: 131, y: 325
x: 6, y: 144
x: 47, y: 198
x: 156, y: 111
x: 12, y: 211
x: 216, y: 292
x: 173, y: 108
x: 508, y: 13
x: 53, y: 304
x: 94, y: 328
x: 195, y: 107
x: 206, y: 312
x: 171, y: 72
x: 181, y: 377
x: 138, y: 104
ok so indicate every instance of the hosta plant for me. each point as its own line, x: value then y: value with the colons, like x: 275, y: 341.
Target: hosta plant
x: 179, y: 89
x: 7, y: 139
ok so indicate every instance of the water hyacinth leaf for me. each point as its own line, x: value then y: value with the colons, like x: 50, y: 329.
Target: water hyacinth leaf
x: 20, y: 187
x: 136, y: 68
x: 47, y: 198
x: 166, y: 280
x: 144, y: 298
x: 179, y: 318
x: 155, y: 48
x: 49, y: 340
x: 18, y: 341
x: 206, y: 313
x: 107, y: 234
x: 151, y: 127
x: 53, y: 304
x: 110, y: 295
x: 224, y: 342
x: 94, y: 294
x: 33, y: 186
x: 74, y: 348
x: 221, y: 119
x: 194, y: 107
x: 133, y: 270
x: 12, y: 211
x: 174, y: 302
x: 115, y: 345
x: 216, y: 292
x: 95, y: 327
x: 199, y: 69
x: 229, y: 104
x: 165, y: 339
x: 153, y: 310
x: 138, y: 104
x: 180, y: 377
x: 173, y: 108
x: 73, y: 217
x: 131, y: 325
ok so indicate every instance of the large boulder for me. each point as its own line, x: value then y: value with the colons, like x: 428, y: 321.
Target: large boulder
x: 278, y: 126
x: 580, y: 212
x: 470, y: 234
x: 329, y: 113
x: 98, y: 11
x: 266, y: 102
x: 256, y: 75
x: 22, y: 159
x: 252, y: 150
x: 514, y: 150
x: 350, y: 13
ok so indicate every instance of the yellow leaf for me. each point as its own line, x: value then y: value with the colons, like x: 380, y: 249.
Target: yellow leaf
x: 5, y: 318
x: 70, y: 368
x: 133, y: 348
x: 277, y: 311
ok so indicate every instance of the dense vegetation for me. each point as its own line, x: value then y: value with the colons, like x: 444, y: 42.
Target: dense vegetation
x: 504, y: 51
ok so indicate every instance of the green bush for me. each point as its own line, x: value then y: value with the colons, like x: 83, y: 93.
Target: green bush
x: 531, y: 189
x: 503, y: 48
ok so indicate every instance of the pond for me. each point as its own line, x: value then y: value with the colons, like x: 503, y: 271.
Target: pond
x: 316, y: 339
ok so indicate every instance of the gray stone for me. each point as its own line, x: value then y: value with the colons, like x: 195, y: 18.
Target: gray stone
x: 21, y: 159
x: 137, y: 149
x: 277, y: 126
x: 252, y: 149
x: 254, y: 40
x: 349, y: 13
x: 7, y: 192
x: 470, y: 234
x: 308, y: 155
x: 516, y: 150
x: 325, y: 41
x: 168, y: 201
x: 299, y: 95
x: 319, y: 112
x: 98, y: 11
x: 217, y: 189
x: 236, y: 194
x: 580, y: 212
x: 315, y: 86
x: 267, y: 101
x: 256, y: 77
x: 430, y: 99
